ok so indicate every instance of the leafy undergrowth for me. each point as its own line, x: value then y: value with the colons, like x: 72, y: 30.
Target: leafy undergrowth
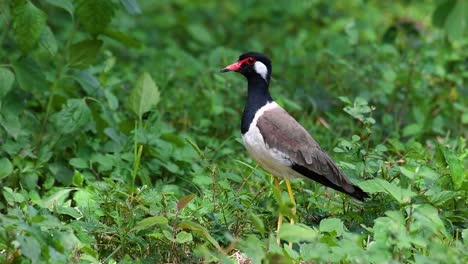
x: 119, y: 139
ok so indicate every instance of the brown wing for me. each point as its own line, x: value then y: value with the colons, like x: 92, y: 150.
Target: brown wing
x: 283, y: 132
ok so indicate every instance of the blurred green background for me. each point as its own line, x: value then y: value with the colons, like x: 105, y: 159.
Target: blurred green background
x: 120, y: 139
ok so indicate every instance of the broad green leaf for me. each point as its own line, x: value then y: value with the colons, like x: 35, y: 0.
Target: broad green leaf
x: 28, y: 24
x: 30, y: 247
x: 30, y: 76
x: 332, y: 224
x: 6, y: 168
x: 12, y: 197
x: 457, y: 172
x: 11, y: 124
x: 144, y: 96
x: 57, y: 198
x: 200, y: 230
x: 123, y: 38
x: 6, y: 81
x: 298, y: 233
x: 87, y: 81
x: 428, y: 216
x: 74, y: 116
x: 131, y: 6
x: 184, y: 201
x: 48, y: 42
x: 83, y: 53
x: 380, y: 185
x: 258, y: 223
x: 66, y: 5
x: 183, y: 237
x: 200, y: 33
x: 149, y: 222
x: 77, y: 179
x: 456, y: 23
x: 78, y: 163
x: 94, y: 15
x: 442, y: 11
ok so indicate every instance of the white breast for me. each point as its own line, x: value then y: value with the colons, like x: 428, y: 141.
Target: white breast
x: 268, y: 157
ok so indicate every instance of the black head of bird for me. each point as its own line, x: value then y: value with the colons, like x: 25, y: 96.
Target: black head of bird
x: 253, y: 65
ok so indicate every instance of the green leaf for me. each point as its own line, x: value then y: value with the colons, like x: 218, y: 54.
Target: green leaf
x: 455, y: 166
x: 83, y: 53
x: 66, y: 5
x: 28, y: 23
x: 149, y: 222
x: 131, y: 6
x: 298, y: 233
x: 6, y: 168
x: 48, y: 42
x: 30, y: 76
x: 6, y: 81
x: 183, y: 237
x: 94, y: 15
x: 144, y: 96
x: 332, y: 225
x: 200, y: 230
x: 456, y: 24
x: 57, y: 198
x: 123, y: 38
x: 380, y: 185
x: 30, y: 247
x: 74, y: 116
x: 200, y: 33
x: 77, y: 179
x: 184, y: 201
x: 441, y: 12
x: 11, y: 124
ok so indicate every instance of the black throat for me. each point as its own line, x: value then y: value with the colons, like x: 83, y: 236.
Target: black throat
x: 258, y: 95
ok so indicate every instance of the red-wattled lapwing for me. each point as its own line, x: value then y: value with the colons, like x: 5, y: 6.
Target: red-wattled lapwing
x: 277, y: 141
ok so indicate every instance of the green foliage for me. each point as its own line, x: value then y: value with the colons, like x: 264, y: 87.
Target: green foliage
x: 119, y: 139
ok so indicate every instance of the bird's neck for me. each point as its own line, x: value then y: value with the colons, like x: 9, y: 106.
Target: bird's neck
x: 258, y: 95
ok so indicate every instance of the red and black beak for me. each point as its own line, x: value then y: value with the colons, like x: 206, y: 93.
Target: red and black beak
x: 233, y: 67
x: 236, y: 66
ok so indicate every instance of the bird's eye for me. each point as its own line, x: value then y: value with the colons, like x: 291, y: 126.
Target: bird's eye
x: 251, y: 60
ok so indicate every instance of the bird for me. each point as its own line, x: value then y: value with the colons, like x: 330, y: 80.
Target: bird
x: 276, y: 141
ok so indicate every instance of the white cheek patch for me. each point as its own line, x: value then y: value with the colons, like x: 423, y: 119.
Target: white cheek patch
x: 261, y: 69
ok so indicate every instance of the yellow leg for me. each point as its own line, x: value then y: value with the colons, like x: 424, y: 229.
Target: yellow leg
x: 280, y: 216
x: 293, y: 201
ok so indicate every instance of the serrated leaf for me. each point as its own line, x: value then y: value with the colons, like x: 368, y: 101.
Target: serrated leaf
x: 94, y: 15
x: 29, y: 76
x: 6, y: 168
x: 149, y: 222
x: 131, y: 6
x: 83, y: 53
x: 332, y: 224
x: 6, y: 81
x: 66, y: 5
x: 184, y: 201
x: 75, y: 115
x: 144, y: 96
x: 455, y: 166
x: 200, y: 230
x: 48, y: 42
x: 28, y: 23
x: 297, y: 233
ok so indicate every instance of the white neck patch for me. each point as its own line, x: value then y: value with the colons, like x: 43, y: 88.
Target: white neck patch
x: 261, y: 69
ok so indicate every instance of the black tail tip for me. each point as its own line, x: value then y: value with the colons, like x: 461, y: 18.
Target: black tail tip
x: 359, y: 194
